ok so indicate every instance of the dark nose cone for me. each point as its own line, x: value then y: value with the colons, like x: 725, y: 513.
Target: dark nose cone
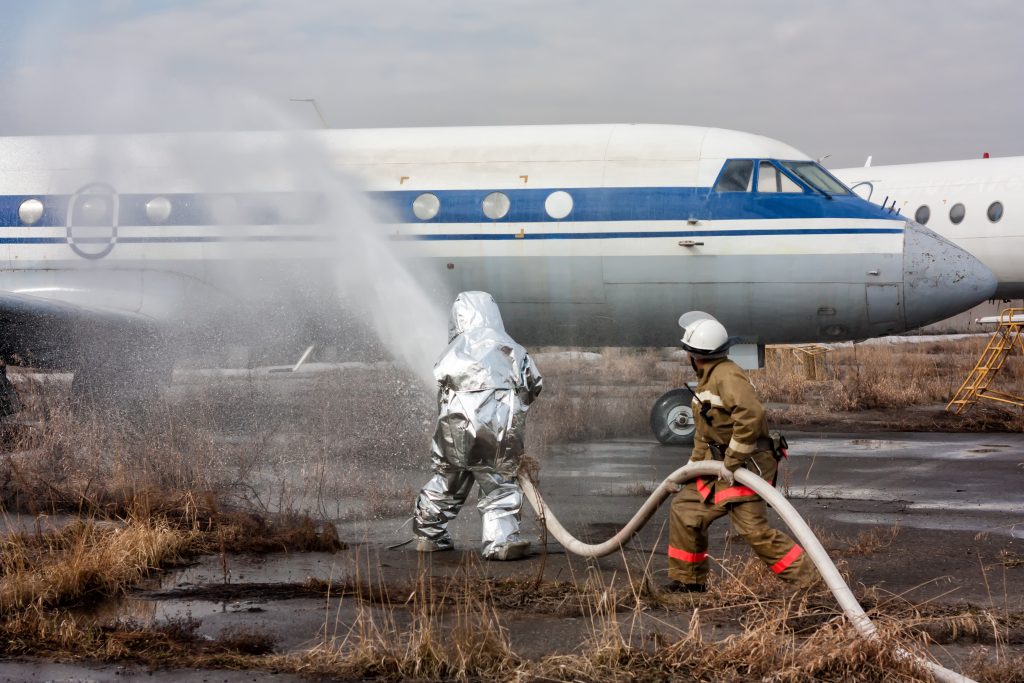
x: 939, y: 278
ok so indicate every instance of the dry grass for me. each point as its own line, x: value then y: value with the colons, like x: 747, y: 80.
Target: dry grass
x: 748, y: 626
x: 872, y: 541
x: 454, y: 631
x: 1011, y: 559
x: 877, y: 376
x: 451, y: 633
x: 608, y: 393
x: 84, y: 560
x: 235, y: 444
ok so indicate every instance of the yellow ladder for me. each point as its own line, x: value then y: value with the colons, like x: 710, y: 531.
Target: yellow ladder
x: 1003, y: 341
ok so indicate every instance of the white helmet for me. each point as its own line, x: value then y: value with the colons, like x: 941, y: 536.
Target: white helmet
x: 703, y: 335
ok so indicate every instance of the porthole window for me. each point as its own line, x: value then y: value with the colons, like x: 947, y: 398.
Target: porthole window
x: 158, y: 209
x: 426, y: 206
x: 995, y: 211
x: 92, y: 210
x: 922, y: 214
x: 30, y: 211
x: 496, y: 205
x: 956, y: 214
x: 558, y: 204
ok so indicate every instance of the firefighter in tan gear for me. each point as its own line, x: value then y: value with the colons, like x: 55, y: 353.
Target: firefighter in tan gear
x: 731, y: 426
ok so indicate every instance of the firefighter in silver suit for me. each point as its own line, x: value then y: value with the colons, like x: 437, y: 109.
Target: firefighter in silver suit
x: 486, y: 384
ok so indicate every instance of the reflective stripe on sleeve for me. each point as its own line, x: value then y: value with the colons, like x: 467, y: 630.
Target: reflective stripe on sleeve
x: 713, y: 399
x: 733, y: 492
x: 678, y: 554
x: 740, y: 447
x: 783, y: 564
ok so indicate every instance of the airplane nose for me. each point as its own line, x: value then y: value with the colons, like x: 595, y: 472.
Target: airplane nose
x: 939, y: 278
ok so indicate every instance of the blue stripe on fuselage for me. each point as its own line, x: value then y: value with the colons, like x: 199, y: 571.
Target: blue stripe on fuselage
x: 635, y: 204
x: 464, y: 206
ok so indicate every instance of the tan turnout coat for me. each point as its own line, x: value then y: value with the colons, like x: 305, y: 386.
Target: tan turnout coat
x: 737, y: 423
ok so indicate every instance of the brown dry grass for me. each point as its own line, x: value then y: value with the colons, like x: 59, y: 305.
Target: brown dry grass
x: 452, y: 632
x: 877, y: 376
x: 232, y: 444
x: 84, y: 560
x: 749, y: 626
x: 608, y: 393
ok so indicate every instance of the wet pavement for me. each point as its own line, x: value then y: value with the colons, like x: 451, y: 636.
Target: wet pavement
x: 942, y: 490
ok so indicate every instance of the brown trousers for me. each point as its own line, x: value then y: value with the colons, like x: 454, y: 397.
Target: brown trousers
x: 689, y: 520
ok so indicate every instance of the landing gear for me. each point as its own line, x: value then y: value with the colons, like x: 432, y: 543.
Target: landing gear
x: 672, y: 418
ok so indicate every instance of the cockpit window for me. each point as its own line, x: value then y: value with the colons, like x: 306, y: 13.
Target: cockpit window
x: 816, y: 176
x: 771, y: 179
x: 737, y: 176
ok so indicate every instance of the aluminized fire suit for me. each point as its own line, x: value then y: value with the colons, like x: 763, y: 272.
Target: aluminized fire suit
x: 487, y: 381
x: 736, y: 425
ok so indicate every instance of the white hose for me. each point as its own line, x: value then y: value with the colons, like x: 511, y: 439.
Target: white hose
x: 810, y: 543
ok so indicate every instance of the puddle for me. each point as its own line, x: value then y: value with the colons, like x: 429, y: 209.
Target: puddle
x: 255, y: 586
x: 884, y: 519
x: 275, y: 568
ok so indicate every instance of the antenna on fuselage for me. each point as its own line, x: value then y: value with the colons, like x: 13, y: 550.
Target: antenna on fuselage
x: 867, y: 163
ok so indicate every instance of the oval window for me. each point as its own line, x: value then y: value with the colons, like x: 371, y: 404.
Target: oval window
x: 426, y: 206
x: 956, y: 214
x: 496, y: 205
x: 93, y: 209
x: 995, y: 211
x: 158, y: 209
x: 30, y: 211
x: 558, y: 204
x: 922, y: 214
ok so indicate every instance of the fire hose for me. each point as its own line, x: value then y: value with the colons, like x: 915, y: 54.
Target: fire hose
x: 810, y: 543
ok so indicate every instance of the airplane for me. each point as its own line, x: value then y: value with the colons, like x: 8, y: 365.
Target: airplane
x: 119, y: 252
x: 969, y: 202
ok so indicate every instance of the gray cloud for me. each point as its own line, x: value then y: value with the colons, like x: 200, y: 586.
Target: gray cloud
x: 905, y: 81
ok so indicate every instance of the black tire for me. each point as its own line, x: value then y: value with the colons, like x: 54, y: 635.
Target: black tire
x: 672, y: 418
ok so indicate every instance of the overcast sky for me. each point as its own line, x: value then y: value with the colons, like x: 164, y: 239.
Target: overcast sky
x: 904, y: 80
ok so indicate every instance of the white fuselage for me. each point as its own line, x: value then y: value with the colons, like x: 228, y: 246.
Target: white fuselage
x: 975, y: 203
x: 585, y: 235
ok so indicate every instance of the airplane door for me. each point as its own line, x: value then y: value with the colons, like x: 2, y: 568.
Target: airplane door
x: 883, y: 303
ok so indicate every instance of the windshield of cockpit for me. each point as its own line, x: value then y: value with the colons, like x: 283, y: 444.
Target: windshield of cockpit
x: 772, y: 175
x: 815, y: 176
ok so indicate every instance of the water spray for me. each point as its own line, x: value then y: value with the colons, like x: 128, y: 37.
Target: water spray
x: 710, y: 468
